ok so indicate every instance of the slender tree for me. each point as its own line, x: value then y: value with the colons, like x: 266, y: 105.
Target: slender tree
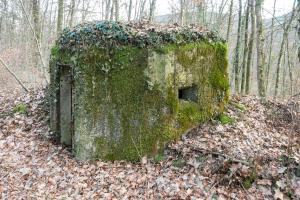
x: 129, y: 10
x: 152, y: 9
x: 250, y: 46
x: 36, y: 18
x: 236, y: 64
x: 271, y: 45
x: 112, y: 9
x: 142, y: 9
x: 200, y: 12
x: 72, y: 13
x: 244, y: 64
x: 107, y: 9
x: 229, y: 20
x: 181, y: 14
x: 290, y: 67
x: 287, y: 26
x: 260, y: 49
x: 117, y: 10
x: 60, y: 16
x: 220, y: 12
x: 36, y: 27
x: 3, y: 14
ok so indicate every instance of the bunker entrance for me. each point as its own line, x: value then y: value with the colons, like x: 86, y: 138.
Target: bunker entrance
x: 188, y: 93
x: 66, y: 105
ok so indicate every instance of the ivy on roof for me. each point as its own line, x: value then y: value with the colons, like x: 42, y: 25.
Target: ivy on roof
x: 110, y: 34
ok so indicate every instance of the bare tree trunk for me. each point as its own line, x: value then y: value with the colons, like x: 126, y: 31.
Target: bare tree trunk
x: 236, y: 64
x: 116, y: 4
x: 229, y: 20
x: 260, y: 49
x: 290, y: 68
x: 36, y: 40
x: 251, y: 43
x: 152, y: 10
x: 136, y: 10
x: 287, y: 26
x: 2, y: 16
x: 107, y: 9
x: 283, y: 85
x: 129, y: 10
x: 212, y: 11
x: 43, y: 19
x: 220, y: 13
x: 271, y: 45
x: 200, y: 12
x: 72, y: 13
x: 181, y: 14
x: 112, y: 10
x: 60, y: 16
x: 142, y: 9
x: 244, y: 65
x: 36, y: 26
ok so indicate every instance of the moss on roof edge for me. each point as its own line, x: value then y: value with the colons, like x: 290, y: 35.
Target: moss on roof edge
x: 110, y: 34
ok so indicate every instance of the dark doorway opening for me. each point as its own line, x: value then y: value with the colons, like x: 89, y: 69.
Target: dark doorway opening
x: 188, y: 93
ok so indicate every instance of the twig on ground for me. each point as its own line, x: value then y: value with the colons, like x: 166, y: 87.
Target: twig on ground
x: 204, y: 151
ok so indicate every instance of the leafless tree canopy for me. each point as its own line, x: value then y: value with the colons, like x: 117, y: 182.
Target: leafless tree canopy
x: 263, y: 52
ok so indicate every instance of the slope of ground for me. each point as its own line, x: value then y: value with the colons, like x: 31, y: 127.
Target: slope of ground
x: 250, y: 152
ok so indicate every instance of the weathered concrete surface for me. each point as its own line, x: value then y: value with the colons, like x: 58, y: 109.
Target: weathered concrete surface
x: 129, y: 102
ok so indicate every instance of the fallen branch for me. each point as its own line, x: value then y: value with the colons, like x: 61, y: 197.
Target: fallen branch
x: 204, y: 151
x: 14, y: 75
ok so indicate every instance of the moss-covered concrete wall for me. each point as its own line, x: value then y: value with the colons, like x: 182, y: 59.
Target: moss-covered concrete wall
x: 129, y: 102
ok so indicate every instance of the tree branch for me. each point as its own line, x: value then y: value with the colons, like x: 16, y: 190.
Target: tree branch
x: 14, y: 75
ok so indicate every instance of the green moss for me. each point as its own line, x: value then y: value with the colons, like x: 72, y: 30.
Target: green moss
x: 189, y: 113
x: 125, y: 110
x: 179, y: 163
x: 158, y: 158
x: 225, y: 119
x: 131, y: 110
x: 247, y: 183
x: 172, y: 100
x: 239, y: 106
x: 54, y: 51
x: 20, y: 108
x: 249, y: 180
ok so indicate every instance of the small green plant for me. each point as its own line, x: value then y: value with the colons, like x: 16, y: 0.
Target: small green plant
x: 201, y: 158
x: 214, y: 196
x: 285, y: 160
x: 20, y: 108
x: 225, y: 119
x: 241, y: 107
x: 158, y: 158
x: 249, y: 180
x: 247, y: 183
x: 179, y: 163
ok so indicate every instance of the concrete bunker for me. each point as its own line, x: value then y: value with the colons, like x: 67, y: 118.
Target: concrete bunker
x: 122, y: 91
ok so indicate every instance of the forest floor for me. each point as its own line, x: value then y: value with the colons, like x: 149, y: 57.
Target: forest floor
x: 250, y: 152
